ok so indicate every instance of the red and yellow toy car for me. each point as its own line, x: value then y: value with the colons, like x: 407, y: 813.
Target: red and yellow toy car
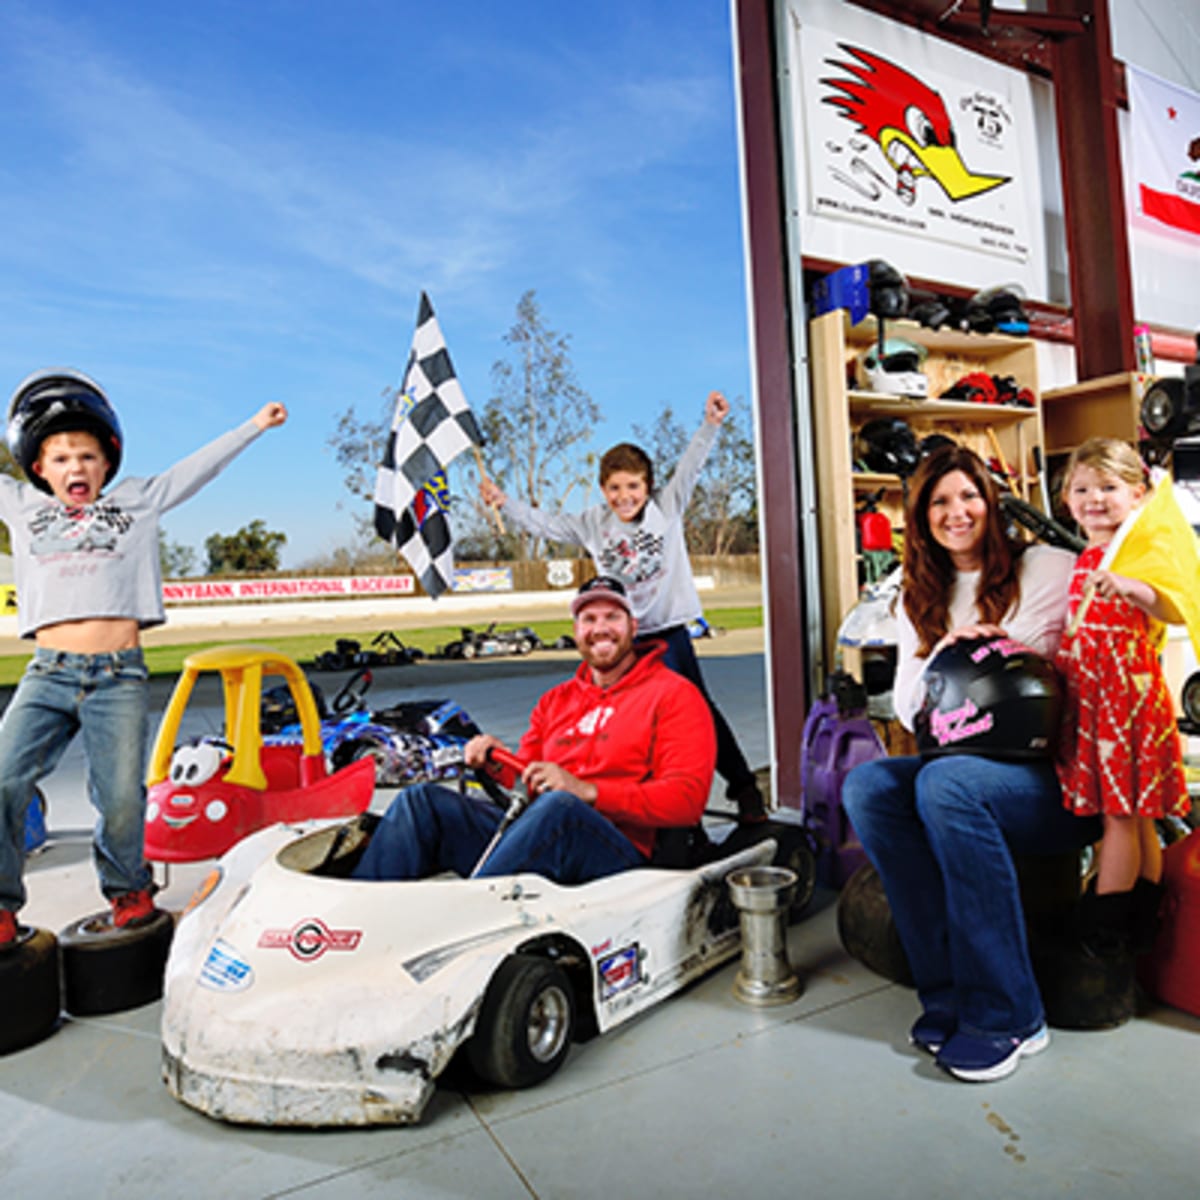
x: 207, y: 794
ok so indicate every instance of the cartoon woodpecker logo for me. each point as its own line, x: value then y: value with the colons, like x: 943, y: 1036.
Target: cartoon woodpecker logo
x: 908, y: 121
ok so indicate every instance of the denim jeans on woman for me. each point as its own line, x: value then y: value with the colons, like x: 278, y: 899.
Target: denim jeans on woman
x: 428, y: 828
x: 942, y: 832
x: 104, y: 697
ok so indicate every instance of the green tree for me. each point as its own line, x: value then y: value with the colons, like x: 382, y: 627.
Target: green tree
x: 8, y: 466
x: 252, y: 548
x: 175, y: 560
x: 538, y: 420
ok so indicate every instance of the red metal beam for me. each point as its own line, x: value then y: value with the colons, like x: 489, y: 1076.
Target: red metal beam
x: 779, y: 504
x: 1085, y: 104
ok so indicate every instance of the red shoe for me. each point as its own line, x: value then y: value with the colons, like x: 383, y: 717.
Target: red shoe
x: 132, y: 908
x: 8, y: 927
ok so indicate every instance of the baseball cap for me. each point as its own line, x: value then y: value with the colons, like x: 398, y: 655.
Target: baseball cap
x: 603, y: 587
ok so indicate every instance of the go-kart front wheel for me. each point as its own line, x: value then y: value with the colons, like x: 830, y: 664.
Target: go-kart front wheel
x: 525, y: 1025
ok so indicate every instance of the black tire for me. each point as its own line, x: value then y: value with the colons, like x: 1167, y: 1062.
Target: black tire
x: 108, y: 968
x: 1080, y: 989
x: 1189, y: 697
x: 375, y: 751
x: 796, y: 854
x: 30, y: 992
x: 866, y: 928
x: 525, y: 1025
x: 467, y: 650
x: 524, y: 646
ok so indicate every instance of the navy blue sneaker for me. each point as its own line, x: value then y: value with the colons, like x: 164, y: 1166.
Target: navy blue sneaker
x: 931, y: 1030
x: 982, y: 1059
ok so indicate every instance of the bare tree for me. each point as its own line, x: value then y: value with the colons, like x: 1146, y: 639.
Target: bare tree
x: 721, y: 517
x: 539, y: 419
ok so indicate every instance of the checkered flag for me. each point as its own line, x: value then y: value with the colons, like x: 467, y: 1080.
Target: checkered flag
x: 433, y: 425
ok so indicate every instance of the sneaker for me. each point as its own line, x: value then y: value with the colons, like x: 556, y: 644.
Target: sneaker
x: 133, y: 908
x: 932, y: 1030
x: 983, y: 1059
x: 8, y: 927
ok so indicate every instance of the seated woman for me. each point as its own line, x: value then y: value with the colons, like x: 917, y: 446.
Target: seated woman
x: 942, y: 831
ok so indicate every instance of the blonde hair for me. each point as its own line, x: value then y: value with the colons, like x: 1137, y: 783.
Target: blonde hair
x: 1110, y: 456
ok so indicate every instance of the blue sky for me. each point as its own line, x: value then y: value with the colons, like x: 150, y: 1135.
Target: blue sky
x: 206, y: 206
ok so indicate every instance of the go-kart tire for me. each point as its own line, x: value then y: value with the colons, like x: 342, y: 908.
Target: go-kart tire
x: 108, y: 968
x: 524, y: 646
x: 866, y: 927
x: 30, y: 992
x: 467, y: 650
x: 796, y: 854
x: 525, y: 1025
x: 375, y: 751
x: 1081, y: 989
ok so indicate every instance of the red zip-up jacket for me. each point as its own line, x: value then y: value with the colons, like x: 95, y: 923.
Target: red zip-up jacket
x: 646, y: 743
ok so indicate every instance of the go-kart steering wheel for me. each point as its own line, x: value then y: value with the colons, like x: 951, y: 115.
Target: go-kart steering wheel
x: 514, y: 804
x: 350, y: 695
x: 499, y: 776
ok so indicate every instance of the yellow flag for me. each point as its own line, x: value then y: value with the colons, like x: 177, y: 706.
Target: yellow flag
x: 1158, y: 546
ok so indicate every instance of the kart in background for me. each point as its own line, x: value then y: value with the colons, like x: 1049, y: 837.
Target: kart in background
x: 386, y: 650
x: 492, y: 641
x: 206, y: 794
x: 297, y: 995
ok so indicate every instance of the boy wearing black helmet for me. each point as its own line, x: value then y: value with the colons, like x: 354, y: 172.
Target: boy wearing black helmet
x: 88, y: 582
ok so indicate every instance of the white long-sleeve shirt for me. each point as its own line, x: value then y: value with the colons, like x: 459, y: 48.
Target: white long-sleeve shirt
x: 101, y: 559
x: 1036, y: 619
x: 649, y: 554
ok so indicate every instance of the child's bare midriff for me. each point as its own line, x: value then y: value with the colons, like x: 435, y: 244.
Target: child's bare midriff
x: 95, y: 635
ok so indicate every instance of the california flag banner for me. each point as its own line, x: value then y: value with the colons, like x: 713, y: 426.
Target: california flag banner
x: 1165, y: 129
x: 432, y: 425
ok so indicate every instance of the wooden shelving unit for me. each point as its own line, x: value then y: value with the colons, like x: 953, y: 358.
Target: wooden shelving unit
x: 1013, y: 432
x: 1110, y: 406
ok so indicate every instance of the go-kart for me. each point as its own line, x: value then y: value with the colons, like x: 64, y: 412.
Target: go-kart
x: 206, y: 794
x: 416, y: 741
x: 386, y: 650
x: 295, y: 995
x: 492, y: 641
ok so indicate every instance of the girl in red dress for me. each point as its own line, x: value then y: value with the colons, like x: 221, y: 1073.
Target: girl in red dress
x: 1121, y: 755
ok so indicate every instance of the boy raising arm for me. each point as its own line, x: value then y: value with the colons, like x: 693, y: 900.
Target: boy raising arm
x: 88, y: 582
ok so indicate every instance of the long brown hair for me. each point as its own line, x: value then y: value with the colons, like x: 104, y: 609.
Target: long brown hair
x: 929, y: 572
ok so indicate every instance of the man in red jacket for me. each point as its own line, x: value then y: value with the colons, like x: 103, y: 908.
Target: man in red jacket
x: 623, y: 748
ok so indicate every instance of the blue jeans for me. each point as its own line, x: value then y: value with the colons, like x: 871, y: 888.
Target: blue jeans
x: 60, y: 694
x: 428, y: 828
x: 942, y: 832
x: 681, y: 658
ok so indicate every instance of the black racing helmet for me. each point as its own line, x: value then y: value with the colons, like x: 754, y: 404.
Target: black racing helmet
x: 889, y: 446
x: 60, y: 401
x: 990, y: 696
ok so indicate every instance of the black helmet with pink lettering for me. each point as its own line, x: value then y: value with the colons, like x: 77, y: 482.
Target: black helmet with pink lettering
x: 990, y: 696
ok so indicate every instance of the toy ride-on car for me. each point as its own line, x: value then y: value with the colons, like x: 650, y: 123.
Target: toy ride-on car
x: 298, y: 995
x: 206, y: 794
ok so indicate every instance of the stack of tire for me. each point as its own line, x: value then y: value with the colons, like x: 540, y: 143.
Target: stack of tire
x: 90, y: 968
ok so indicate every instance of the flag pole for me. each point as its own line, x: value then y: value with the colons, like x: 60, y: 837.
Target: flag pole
x: 496, y: 517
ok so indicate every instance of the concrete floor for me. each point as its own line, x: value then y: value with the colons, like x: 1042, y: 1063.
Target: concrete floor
x: 703, y: 1096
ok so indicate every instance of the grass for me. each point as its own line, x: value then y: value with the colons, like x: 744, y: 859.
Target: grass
x: 167, y: 660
